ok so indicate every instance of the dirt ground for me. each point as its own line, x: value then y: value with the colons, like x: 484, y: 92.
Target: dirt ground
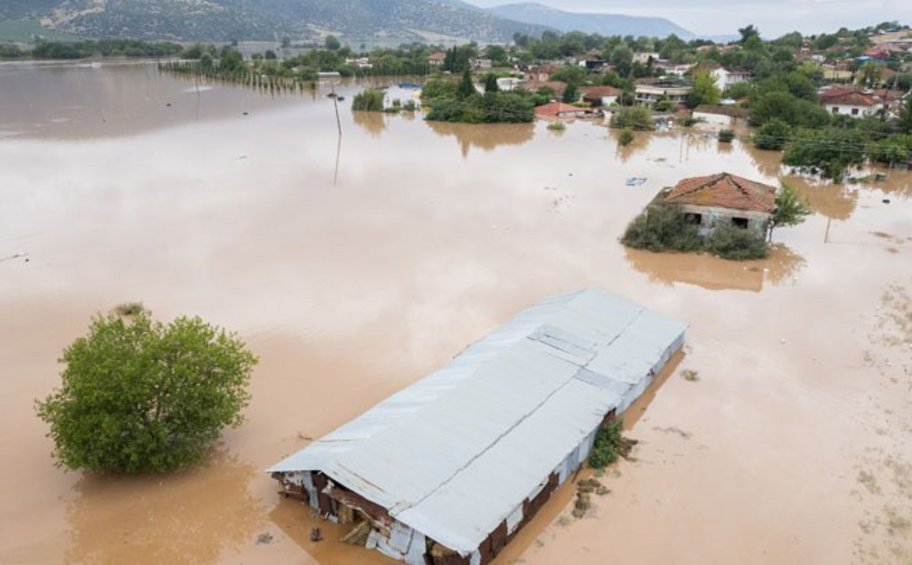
x: 354, y: 269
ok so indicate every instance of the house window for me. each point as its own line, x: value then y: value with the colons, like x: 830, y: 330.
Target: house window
x: 854, y: 111
x: 740, y: 223
x: 835, y: 109
x: 695, y: 219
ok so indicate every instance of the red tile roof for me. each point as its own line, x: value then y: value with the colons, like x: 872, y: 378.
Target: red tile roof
x: 724, y: 190
x: 555, y: 109
x: 600, y: 91
x: 439, y: 56
x: 850, y: 99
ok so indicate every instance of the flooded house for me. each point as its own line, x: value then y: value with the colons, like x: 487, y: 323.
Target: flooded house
x: 722, y: 199
x: 449, y: 469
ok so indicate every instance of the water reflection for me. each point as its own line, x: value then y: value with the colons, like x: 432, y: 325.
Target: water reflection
x: 833, y: 201
x: 373, y: 122
x: 712, y: 273
x: 484, y: 136
x: 767, y: 162
x: 641, y: 141
x: 190, y: 517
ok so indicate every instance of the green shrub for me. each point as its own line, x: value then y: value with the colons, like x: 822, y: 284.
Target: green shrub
x: 773, y: 135
x: 604, y: 450
x: 370, y: 100
x: 726, y: 136
x: 557, y: 126
x: 828, y: 152
x: 736, y: 244
x: 626, y: 138
x: 662, y: 228
x: 140, y: 396
x: 637, y: 118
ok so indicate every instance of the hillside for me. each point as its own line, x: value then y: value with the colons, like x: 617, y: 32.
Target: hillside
x: 603, y: 24
x: 214, y: 20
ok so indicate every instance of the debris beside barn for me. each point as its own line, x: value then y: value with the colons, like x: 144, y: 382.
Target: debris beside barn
x: 449, y: 469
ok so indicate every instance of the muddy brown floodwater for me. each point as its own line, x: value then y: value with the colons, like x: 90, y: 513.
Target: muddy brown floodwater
x: 354, y: 269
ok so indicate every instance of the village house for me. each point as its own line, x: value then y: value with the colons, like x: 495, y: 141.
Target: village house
x: 556, y: 86
x: 850, y: 102
x: 644, y: 57
x: 598, y: 96
x: 541, y: 73
x: 720, y: 117
x: 360, y: 62
x: 482, y: 64
x: 722, y: 200
x: 450, y: 469
x: 649, y: 91
x: 725, y: 78
x: 559, y: 110
x: 436, y: 59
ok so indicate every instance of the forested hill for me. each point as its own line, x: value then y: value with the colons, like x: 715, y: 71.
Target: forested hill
x: 353, y: 21
x: 602, y: 24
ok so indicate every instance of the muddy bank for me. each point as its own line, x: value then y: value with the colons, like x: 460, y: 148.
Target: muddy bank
x: 352, y: 283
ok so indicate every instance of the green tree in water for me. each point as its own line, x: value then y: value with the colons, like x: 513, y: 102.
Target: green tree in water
x: 466, y: 86
x: 790, y: 210
x: 140, y: 396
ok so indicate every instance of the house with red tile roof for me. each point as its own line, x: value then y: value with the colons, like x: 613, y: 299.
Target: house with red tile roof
x: 436, y: 59
x: 850, y: 102
x: 601, y: 95
x: 558, y: 110
x: 722, y: 199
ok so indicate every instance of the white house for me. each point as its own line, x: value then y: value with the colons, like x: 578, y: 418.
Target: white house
x: 644, y: 57
x: 649, y: 94
x: 850, y: 103
x: 727, y: 77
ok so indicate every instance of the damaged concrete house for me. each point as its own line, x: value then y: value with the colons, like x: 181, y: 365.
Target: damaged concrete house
x: 449, y: 469
x: 722, y: 199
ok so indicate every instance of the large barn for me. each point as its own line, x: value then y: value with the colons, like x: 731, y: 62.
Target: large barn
x: 447, y: 470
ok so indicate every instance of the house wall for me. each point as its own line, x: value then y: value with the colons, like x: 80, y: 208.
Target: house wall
x: 853, y: 111
x: 714, y: 217
x: 398, y: 541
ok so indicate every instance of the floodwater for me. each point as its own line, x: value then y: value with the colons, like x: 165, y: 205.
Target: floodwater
x: 354, y: 268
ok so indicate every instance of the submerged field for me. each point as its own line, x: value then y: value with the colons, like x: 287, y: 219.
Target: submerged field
x: 353, y: 269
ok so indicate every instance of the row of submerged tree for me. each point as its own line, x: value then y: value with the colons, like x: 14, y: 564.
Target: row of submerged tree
x: 247, y: 78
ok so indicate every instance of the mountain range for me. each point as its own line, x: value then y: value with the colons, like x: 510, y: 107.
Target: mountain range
x: 602, y: 24
x: 354, y: 21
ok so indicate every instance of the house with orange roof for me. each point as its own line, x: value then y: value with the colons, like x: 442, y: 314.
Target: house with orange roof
x: 558, y: 110
x: 850, y: 102
x: 436, y: 59
x: 723, y: 199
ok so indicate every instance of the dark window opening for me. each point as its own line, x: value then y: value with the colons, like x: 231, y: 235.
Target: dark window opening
x: 740, y: 223
x: 696, y: 219
x: 854, y: 111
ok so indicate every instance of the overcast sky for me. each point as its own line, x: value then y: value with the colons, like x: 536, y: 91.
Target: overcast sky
x: 773, y: 17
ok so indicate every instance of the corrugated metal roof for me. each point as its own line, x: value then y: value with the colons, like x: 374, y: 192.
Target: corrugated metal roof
x: 455, y: 453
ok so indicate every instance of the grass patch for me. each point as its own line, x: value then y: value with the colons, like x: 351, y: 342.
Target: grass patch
x: 557, y: 126
x: 370, y: 100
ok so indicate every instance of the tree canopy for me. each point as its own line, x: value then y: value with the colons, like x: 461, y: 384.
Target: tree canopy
x: 141, y: 396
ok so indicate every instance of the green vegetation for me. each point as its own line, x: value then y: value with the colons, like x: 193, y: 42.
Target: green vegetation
x: 626, y: 137
x: 665, y: 228
x: 139, y: 396
x: 662, y: 228
x: 460, y: 102
x: 827, y: 152
x: 726, y: 136
x: 610, y: 445
x: 636, y: 118
x: 773, y: 135
x: 704, y: 91
x: 790, y: 210
x: 46, y: 50
x: 557, y: 126
x: 370, y: 100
